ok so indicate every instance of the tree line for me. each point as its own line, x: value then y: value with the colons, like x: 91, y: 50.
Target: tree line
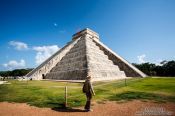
x: 166, y: 68
x: 15, y: 73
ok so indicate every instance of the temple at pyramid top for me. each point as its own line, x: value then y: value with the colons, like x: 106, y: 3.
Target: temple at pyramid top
x: 85, y: 31
x: 85, y: 55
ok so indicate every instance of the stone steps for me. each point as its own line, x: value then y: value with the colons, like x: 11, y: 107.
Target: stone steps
x: 84, y: 56
x: 78, y: 65
x: 107, y: 73
x: 67, y: 75
x: 99, y: 64
x: 73, y: 65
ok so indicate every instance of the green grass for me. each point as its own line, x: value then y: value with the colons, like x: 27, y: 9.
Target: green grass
x: 51, y: 94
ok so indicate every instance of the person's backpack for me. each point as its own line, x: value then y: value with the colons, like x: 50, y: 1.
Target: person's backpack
x: 84, y: 88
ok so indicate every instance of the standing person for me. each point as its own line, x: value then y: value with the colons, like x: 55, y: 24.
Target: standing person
x: 88, y: 90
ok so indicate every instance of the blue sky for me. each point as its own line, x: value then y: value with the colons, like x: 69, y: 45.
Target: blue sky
x: 138, y: 30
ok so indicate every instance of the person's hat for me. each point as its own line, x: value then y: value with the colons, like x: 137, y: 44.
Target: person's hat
x: 88, y: 77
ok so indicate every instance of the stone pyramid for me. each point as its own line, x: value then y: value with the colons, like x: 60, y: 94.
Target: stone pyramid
x: 85, y: 55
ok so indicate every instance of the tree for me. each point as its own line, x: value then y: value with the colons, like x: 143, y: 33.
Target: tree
x: 167, y: 68
x: 16, y: 72
x: 147, y: 68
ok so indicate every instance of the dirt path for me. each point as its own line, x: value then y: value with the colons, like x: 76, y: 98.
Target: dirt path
x: 130, y: 108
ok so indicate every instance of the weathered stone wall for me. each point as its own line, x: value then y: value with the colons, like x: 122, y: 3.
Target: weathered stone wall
x: 100, y: 67
x: 45, y: 67
x: 129, y: 70
x: 73, y: 66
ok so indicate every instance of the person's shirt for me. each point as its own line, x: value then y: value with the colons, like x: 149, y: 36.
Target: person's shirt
x: 88, y: 88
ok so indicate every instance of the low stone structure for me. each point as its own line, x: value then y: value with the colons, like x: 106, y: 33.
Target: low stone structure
x: 85, y: 55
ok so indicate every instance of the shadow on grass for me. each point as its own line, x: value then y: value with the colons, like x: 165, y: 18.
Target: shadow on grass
x: 130, y: 95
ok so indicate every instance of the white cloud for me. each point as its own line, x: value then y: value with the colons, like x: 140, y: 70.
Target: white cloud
x: 13, y: 64
x: 141, y: 58
x: 19, y: 45
x: 44, y: 52
x: 158, y: 62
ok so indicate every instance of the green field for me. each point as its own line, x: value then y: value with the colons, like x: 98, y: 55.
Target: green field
x: 51, y: 94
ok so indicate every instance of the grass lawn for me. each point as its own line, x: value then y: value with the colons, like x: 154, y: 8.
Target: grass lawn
x: 51, y: 94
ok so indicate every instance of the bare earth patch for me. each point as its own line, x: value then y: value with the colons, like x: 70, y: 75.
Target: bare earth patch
x: 130, y: 108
